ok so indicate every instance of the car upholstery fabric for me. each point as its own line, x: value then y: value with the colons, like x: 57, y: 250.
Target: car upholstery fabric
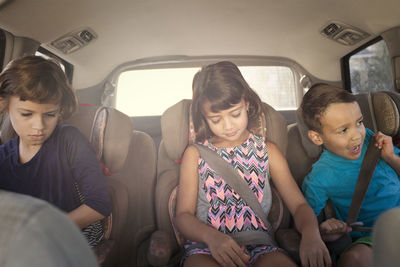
x: 130, y: 159
x: 36, y: 234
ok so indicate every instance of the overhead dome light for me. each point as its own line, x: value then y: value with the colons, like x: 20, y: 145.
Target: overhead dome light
x: 343, y: 33
x: 74, y: 40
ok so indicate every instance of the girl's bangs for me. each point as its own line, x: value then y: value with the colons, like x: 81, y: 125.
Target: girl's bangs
x: 224, y: 101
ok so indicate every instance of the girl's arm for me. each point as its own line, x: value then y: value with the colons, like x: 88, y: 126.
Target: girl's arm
x: 223, y: 248
x: 313, y: 251
x: 84, y: 216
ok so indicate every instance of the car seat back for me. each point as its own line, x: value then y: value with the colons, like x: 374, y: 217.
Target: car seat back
x: 129, y: 159
x: 98, y: 124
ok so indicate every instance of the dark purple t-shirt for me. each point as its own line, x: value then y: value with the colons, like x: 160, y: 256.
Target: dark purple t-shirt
x: 66, y: 157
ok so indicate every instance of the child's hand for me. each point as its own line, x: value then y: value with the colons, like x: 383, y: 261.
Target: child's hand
x: 226, y: 251
x: 332, y: 229
x: 313, y: 251
x: 384, y: 143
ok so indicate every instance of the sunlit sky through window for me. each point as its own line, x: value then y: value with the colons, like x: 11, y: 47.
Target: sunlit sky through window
x: 151, y: 92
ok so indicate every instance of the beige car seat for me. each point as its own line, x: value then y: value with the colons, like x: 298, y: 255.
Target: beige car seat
x: 177, y: 133
x: 129, y: 158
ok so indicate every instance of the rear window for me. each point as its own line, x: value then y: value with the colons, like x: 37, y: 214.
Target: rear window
x: 150, y: 92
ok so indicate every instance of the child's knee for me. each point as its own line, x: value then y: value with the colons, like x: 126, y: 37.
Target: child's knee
x: 359, y: 255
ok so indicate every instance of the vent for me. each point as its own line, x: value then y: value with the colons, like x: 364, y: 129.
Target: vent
x: 343, y: 33
x: 75, y: 40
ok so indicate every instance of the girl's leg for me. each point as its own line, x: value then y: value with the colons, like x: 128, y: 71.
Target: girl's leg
x: 359, y: 255
x: 276, y: 258
x: 200, y: 260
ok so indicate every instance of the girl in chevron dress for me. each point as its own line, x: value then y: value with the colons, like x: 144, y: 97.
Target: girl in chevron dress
x: 219, y: 227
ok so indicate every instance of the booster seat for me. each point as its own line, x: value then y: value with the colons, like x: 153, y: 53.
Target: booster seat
x: 177, y: 134
x: 129, y: 160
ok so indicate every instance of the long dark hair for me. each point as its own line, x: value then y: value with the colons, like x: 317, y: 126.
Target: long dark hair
x: 222, y: 85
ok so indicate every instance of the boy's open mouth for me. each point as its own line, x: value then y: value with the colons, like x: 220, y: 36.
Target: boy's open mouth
x: 355, y: 149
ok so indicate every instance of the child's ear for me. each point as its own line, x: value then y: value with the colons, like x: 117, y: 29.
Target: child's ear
x: 315, y: 137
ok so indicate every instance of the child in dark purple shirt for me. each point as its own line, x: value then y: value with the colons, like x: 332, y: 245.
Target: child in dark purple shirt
x: 47, y: 160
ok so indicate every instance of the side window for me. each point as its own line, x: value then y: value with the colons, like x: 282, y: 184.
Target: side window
x: 150, y: 92
x: 370, y: 69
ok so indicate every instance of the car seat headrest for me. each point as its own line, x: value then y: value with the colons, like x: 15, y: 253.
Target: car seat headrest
x: 312, y: 150
x: 178, y: 130
x: 386, y: 112
x: 117, y: 138
x: 175, y: 128
x: 108, y: 130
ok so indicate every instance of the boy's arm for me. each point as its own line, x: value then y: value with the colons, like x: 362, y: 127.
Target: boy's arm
x: 385, y: 143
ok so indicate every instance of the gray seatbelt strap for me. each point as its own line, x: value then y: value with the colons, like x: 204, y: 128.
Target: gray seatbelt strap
x: 232, y: 177
x: 364, y: 178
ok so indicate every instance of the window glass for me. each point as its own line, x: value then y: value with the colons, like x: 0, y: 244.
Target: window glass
x: 274, y: 84
x: 151, y: 92
x: 371, y: 70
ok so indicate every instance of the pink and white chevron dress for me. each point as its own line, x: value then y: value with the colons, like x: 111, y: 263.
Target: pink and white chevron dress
x: 218, y: 204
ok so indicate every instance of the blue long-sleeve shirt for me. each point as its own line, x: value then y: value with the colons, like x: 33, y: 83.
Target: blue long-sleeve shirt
x: 64, y: 159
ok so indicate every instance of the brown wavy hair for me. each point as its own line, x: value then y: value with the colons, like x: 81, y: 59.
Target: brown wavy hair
x: 222, y: 85
x: 39, y: 80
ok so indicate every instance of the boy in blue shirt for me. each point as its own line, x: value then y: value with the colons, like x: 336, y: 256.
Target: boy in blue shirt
x: 335, y: 121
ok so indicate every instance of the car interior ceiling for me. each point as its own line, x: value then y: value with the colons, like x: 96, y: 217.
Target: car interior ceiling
x: 142, y: 153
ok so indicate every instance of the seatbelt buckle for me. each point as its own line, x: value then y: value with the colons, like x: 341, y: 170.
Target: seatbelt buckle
x: 359, y: 227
